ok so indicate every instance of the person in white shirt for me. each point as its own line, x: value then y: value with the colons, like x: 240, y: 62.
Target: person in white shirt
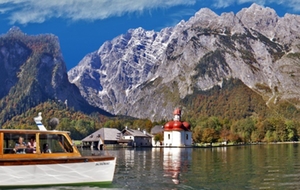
x: 20, y: 146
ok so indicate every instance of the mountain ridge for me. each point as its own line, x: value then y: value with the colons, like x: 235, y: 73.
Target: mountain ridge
x: 153, y: 71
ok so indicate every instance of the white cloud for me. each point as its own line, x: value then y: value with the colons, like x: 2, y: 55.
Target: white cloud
x: 37, y: 11
x: 290, y: 4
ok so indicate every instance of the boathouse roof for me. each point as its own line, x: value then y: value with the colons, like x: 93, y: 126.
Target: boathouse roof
x: 135, y: 133
x: 106, y: 134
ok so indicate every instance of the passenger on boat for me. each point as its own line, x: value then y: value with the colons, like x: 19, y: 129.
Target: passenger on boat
x: 32, y: 145
x: 20, y: 146
x: 46, y: 148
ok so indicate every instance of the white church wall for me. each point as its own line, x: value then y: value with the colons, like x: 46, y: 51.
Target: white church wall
x: 188, y: 138
x: 168, y: 138
x: 177, y: 138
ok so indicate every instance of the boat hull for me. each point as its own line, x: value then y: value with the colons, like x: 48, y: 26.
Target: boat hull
x: 66, y: 171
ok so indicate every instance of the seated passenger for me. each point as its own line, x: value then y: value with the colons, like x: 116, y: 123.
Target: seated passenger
x: 32, y: 145
x: 20, y: 146
x: 46, y: 148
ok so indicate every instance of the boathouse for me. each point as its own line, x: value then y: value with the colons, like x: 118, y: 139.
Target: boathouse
x: 133, y: 137
x: 107, y: 136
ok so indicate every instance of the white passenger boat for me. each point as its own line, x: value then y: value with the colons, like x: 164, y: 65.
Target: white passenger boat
x: 53, y: 161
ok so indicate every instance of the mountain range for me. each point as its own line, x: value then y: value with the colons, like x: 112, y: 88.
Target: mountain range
x: 229, y: 65
x: 146, y: 74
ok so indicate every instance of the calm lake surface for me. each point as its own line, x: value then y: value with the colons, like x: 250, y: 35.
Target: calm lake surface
x: 273, y: 166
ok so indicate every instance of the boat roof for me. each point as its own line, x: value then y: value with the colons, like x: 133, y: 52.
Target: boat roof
x: 31, y: 131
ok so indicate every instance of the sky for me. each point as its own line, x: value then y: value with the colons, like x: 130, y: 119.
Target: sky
x: 82, y: 26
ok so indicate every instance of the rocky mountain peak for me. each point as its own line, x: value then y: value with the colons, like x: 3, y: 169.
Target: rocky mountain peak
x: 204, y: 13
x: 14, y: 29
x: 155, y: 71
x: 204, y: 17
x: 259, y: 18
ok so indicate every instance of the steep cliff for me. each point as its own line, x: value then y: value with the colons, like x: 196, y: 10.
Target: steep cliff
x: 146, y: 74
x: 32, y: 71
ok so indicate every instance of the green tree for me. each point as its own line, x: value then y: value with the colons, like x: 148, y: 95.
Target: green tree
x: 209, y: 135
x: 159, y: 138
x: 280, y: 133
x: 247, y: 127
x: 255, y: 136
x: 269, y: 137
x: 197, y: 134
x: 64, y: 125
x: 291, y: 130
x: 214, y: 123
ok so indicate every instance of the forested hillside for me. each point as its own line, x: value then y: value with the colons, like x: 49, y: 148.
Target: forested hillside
x: 236, y: 113
x: 79, y: 124
x: 32, y: 71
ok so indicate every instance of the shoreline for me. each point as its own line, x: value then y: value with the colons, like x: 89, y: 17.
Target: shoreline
x: 216, y: 145
x: 243, y: 144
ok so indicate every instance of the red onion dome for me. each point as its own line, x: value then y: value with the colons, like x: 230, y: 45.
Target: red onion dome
x: 177, y: 126
x: 169, y: 126
x: 186, y: 125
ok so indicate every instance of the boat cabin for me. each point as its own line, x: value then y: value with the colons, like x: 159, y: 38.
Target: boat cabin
x: 48, y: 158
x: 36, y: 143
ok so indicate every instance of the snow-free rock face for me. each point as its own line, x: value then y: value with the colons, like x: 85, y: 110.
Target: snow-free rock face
x: 152, y: 71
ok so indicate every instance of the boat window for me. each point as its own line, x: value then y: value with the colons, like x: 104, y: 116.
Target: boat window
x: 54, y: 143
x: 11, y: 144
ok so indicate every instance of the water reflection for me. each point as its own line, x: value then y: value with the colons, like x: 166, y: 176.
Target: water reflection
x: 176, y: 161
x: 240, y: 167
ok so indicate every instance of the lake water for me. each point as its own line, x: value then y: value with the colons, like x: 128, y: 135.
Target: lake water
x: 273, y: 166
